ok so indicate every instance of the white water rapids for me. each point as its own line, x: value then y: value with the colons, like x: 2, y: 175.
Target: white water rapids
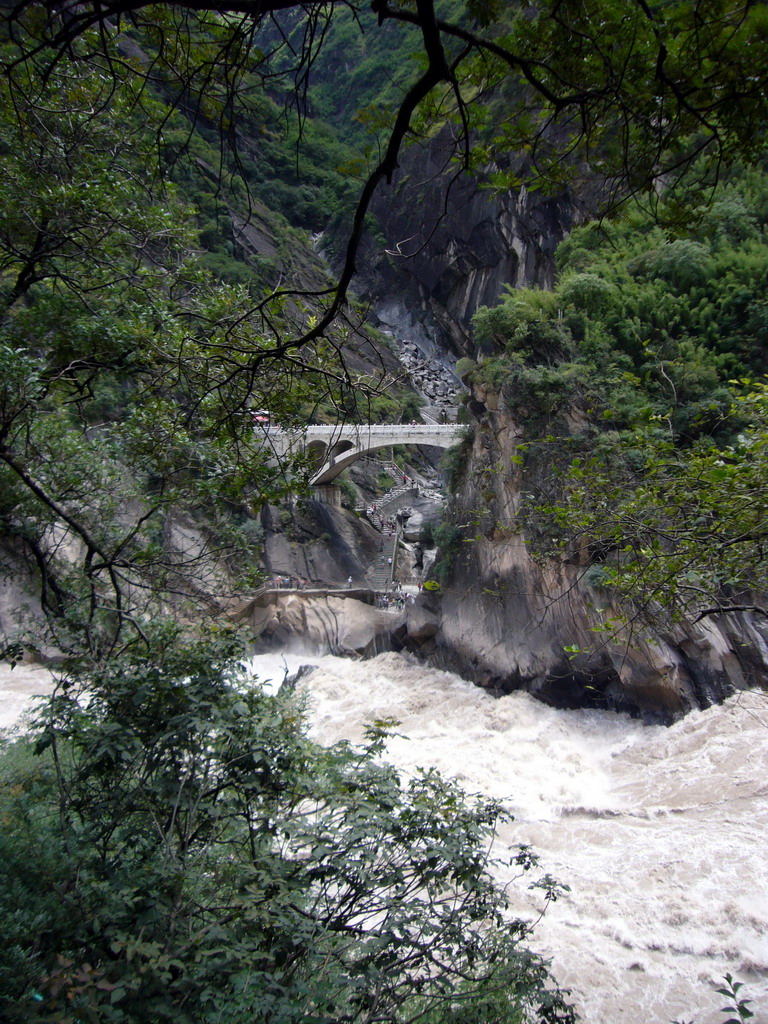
x: 659, y: 832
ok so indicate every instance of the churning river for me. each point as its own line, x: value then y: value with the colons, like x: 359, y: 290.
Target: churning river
x: 661, y: 833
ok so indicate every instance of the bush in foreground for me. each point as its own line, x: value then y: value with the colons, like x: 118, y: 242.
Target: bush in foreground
x: 174, y: 848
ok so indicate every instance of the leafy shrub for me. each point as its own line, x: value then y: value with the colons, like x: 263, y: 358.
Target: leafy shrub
x: 427, y: 534
x: 453, y: 463
x: 448, y: 540
x: 597, y: 575
x: 465, y: 368
x: 193, y: 857
x: 588, y: 292
x: 350, y: 495
x: 682, y: 263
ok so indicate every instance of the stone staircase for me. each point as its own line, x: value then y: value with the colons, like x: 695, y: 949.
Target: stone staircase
x: 397, y: 498
x: 381, y: 573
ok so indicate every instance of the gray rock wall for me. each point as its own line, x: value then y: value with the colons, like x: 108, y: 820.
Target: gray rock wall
x: 451, y: 245
x: 318, y: 543
x: 505, y: 618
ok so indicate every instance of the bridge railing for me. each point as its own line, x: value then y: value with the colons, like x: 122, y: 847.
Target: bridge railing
x: 379, y: 430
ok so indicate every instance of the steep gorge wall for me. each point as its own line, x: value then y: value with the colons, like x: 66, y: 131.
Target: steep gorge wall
x: 452, y: 245
x: 505, y: 618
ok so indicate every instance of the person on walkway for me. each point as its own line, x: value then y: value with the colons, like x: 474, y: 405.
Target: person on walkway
x: 349, y: 582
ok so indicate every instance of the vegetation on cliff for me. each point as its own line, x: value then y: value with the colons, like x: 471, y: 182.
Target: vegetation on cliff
x: 654, y: 346
x: 127, y: 371
x: 139, y: 356
x: 638, y: 92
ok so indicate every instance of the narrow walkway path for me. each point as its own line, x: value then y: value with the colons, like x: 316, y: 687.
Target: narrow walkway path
x: 384, y: 569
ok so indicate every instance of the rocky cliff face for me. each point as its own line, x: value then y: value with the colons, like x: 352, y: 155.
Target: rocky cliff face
x: 451, y: 246
x: 317, y: 543
x: 505, y: 618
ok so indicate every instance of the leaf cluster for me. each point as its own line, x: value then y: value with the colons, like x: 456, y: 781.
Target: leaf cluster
x: 203, y: 860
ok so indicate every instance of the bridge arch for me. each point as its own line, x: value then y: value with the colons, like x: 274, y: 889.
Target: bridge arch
x: 362, y: 440
x: 318, y: 453
x: 340, y: 447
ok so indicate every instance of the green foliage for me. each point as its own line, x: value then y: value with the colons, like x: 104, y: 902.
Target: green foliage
x: 454, y: 461
x: 635, y: 383
x: 678, y: 532
x: 448, y: 540
x: 737, y: 1005
x: 641, y: 327
x: 126, y: 371
x: 597, y: 575
x: 682, y: 263
x: 197, y: 858
x: 588, y: 292
x: 376, y: 65
x: 651, y: 91
x: 350, y: 493
x: 392, y: 406
x: 464, y: 368
x: 427, y: 534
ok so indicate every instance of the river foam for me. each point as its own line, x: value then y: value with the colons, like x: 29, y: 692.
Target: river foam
x: 659, y: 832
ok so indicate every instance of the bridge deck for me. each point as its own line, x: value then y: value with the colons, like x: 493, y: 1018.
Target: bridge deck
x: 340, y: 445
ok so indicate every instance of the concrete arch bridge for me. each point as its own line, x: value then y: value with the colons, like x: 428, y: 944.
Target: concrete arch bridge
x: 333, y: 448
